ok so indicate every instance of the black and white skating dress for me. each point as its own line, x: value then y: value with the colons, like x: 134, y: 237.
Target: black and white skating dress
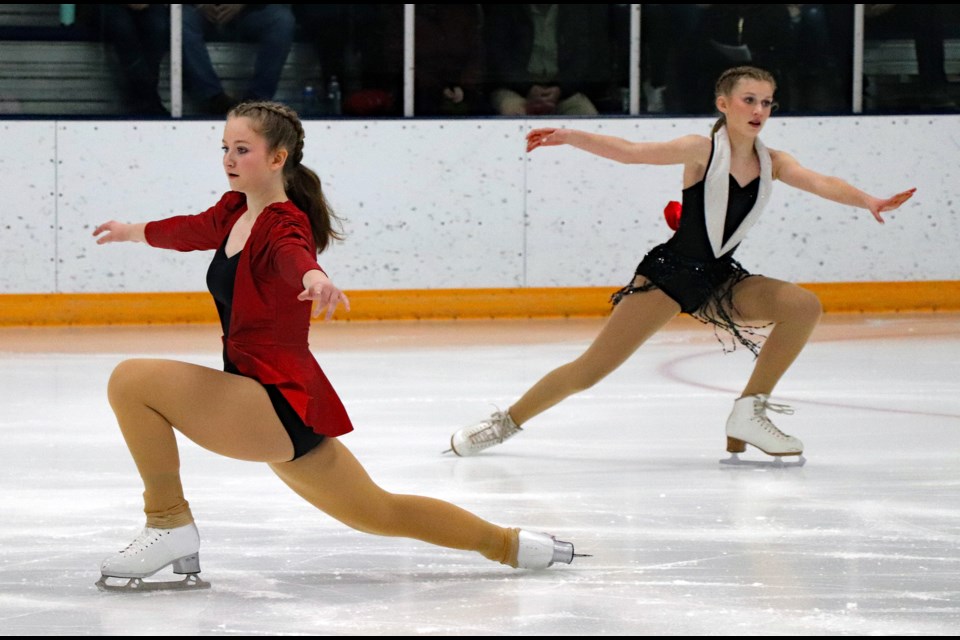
x: 696, y: 266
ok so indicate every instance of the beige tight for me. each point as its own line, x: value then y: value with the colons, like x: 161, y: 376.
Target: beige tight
x: 794, y: 311
x: 232, y: 415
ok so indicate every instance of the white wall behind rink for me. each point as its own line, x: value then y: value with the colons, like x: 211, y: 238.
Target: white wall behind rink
x: 458, y: 203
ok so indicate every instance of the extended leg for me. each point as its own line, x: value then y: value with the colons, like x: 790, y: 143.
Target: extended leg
x: 637, y: 317
x: 633, y: 322
x: 331, y: 479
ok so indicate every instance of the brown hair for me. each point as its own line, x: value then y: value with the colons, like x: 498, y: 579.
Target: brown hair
x: 281, y: 127
x: 729, y: 79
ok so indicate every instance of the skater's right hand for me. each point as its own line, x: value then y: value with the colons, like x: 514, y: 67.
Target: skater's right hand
x: 120, y: 232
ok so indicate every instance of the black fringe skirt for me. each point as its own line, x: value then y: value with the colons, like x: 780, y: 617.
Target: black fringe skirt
x: 703, y: 289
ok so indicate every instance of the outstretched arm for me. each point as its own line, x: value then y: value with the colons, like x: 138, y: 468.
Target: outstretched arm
x: 681, y: 150
x: 791, y: 172
x: 321, y: 290
x: 120, y: 232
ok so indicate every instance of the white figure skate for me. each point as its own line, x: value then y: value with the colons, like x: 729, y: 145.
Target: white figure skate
x: 472, y: 440
x: 748, y: 424
x: 541, y: 550
x: 151, y: 551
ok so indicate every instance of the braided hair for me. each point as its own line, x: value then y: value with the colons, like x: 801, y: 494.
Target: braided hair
x: 729, y: 79
x: 281, y: 127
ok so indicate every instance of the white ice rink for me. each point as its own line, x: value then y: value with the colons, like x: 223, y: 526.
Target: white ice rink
x: 863, y: 540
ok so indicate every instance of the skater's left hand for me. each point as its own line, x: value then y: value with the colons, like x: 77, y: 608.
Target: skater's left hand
x: 326, y: 296
x: 879, y: 205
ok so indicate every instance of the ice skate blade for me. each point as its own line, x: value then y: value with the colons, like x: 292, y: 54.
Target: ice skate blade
x: 451, y: 449
x: 190, y: 582
x: 734, y: 461
x: 561, y: 557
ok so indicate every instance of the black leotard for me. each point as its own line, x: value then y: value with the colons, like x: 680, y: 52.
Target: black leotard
x: 220, y: 280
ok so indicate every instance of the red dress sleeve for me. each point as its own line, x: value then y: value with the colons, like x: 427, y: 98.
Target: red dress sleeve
x: 290, y: 249
x: 198, y: 232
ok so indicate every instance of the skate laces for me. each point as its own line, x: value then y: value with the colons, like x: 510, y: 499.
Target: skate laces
x: 785, y: 409
x: 494, y: 430
x: 146, y: 538
x: 760, y: 407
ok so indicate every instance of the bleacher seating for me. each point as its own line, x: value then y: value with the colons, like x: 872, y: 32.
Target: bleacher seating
x: 48, y: 69
x: 898, y: 57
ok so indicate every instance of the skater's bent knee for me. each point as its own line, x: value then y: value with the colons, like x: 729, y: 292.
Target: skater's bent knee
x: 128, y: 376
x: 807, y: 305
x: 796, y: 304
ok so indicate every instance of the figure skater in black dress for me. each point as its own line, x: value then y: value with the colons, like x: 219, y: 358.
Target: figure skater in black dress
x: 727, y: 180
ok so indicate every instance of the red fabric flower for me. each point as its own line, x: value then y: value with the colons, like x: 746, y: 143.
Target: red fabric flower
x: 672, y: 214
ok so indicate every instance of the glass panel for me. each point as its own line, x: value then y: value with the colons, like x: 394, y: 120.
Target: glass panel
x: 107, y: 60
x: 685, y: 48
x: 359, y: 45
x: 53, y: 62
x: 556, y: 59
x: 449, y: 61
x: 138, y: 44
x: 911, y: 58
x: 234, y: 52
x: 113, y: 60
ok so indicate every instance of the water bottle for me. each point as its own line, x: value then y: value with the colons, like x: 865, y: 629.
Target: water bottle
x: 309, y: 106
x: 68, y: 14
x: 334, y: 96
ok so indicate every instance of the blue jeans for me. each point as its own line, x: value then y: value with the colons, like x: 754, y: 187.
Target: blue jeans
x: 140, y: 39
x: 270, y: 26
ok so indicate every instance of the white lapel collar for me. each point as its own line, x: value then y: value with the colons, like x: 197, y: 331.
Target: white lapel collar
x: 717, y: 191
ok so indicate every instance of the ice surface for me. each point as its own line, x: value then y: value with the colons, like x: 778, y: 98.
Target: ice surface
x: 864, y: 539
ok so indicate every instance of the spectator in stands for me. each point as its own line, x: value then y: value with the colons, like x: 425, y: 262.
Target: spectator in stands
x: 668, y: 60
x: 140, y: 37
x: 730, y: 35
x: 819, y: 62
x: 805, y: 45
x: 548, y: 58
x: 331, y: 29
x: 270, y: 26
x: 449, y: 59
x: 925, y: 24
x: 362, y: 45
